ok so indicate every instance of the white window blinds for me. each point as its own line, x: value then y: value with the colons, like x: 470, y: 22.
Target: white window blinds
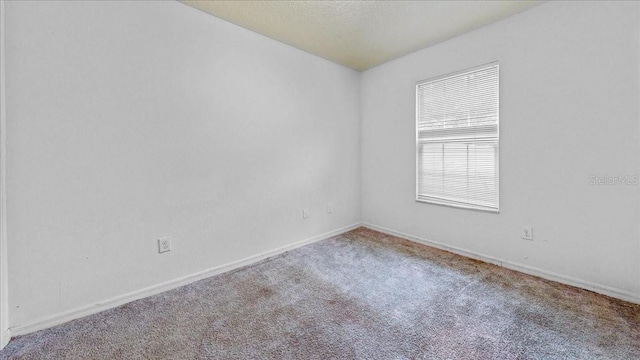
x: 457, y: 134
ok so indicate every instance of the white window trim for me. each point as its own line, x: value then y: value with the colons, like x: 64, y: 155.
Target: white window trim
x: 439, y: 201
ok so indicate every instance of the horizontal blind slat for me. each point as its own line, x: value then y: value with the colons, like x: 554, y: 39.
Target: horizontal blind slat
x: 457, y: 127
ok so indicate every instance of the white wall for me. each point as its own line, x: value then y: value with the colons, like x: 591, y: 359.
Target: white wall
x: 4, y: 306
x: 569, y: 109
x: 129, y: 121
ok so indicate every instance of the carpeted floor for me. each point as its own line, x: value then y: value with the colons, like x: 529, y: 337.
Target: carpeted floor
x: 361, y: 295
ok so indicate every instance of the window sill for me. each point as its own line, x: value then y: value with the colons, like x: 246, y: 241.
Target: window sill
x: 458, y: 205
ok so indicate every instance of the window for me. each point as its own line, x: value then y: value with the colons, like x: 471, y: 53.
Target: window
x: 457, y: 132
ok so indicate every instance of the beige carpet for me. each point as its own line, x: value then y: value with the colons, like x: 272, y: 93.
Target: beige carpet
x: 361, y: 295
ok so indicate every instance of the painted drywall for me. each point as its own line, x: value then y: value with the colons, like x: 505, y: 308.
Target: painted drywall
x: 130, y: 121
x: 569, y: 110
x: 4, y: 306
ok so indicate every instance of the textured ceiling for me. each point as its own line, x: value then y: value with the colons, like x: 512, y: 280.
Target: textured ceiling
x: 361, y: 34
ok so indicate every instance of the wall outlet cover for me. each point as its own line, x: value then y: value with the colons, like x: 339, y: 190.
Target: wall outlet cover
x: 164, y: 244
x: 527, y: 233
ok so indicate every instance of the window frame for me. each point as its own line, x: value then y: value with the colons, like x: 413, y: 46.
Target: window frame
x: 454, y: 203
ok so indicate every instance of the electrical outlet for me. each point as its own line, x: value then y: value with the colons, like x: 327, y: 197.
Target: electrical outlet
x: 329, y: 208
x: 527, y: 233
x: 305, y: 213
x: 164, y: 244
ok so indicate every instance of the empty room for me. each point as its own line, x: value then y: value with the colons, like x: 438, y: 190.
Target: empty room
x: 319, y: 179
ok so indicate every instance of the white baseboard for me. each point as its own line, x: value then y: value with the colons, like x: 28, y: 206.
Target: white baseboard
x: 567, y: 280
x: 77, y: 313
